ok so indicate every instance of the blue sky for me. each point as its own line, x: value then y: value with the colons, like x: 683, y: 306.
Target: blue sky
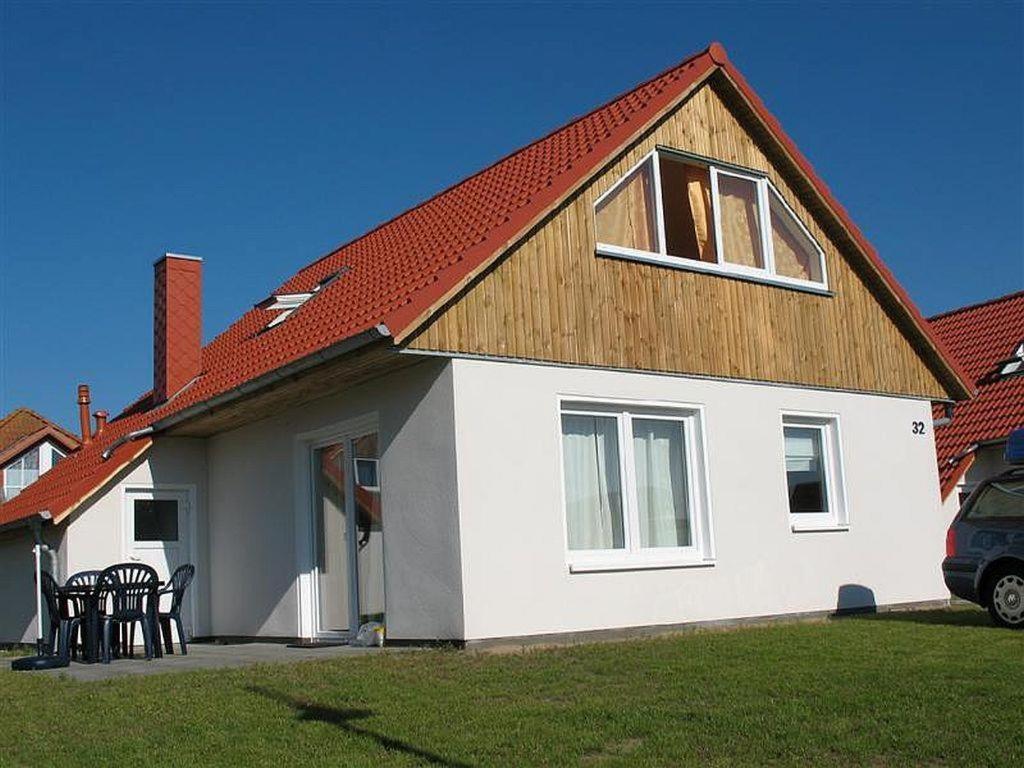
x: 259, y: 136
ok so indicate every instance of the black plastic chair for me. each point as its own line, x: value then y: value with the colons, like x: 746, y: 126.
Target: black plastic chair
x: 128, y: 587
x: 176, y: 587
x: 80, y: 604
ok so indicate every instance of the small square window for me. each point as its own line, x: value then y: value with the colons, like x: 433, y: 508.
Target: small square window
x: 156, y: 520
x: 814, y: 479
x: 366, y: 474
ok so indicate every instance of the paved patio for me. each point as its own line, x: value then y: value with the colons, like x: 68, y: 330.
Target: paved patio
x: 206, y: 656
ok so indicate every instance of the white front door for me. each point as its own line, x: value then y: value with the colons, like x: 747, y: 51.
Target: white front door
x: 156, y: 525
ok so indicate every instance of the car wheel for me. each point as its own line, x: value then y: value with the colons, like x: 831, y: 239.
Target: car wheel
x: 1006, y: 598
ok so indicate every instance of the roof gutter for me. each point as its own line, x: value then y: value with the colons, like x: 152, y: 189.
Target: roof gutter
x: 109, y: 450
x: 343, y: 347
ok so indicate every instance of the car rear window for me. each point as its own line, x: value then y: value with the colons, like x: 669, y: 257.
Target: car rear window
x: 1002, y: 498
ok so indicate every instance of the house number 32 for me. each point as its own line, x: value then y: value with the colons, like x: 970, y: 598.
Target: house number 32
x: 917, y: 427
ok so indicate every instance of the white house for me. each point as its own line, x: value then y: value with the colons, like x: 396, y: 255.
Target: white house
x: 30, y: 445
x: 643, y: 372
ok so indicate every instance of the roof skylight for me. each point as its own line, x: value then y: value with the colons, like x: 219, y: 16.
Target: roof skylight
x: 1013, y: 365
x: 286, y: 303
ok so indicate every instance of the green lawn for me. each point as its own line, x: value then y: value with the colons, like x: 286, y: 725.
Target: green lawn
x: 941, y: 688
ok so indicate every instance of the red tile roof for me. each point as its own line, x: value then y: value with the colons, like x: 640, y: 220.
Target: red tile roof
x: 23, y: 429
x: 397, y: 274
x: 981, y: 336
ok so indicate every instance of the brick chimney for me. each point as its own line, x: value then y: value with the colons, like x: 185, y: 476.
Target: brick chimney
x: 177, y: 323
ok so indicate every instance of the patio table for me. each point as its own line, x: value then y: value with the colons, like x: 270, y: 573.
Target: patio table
x: 86, y: 596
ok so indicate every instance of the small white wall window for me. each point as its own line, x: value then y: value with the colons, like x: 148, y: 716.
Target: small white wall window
x: 815, y: 487
x: 634, y: 487
x: 687, y: 212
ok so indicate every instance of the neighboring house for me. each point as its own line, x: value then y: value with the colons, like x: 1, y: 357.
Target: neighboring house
x: 644, y: 371
x: 988, y: 340
x: 29, y: 446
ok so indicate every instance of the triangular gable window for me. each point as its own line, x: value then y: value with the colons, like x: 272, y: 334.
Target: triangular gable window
x: 625, y: 217
x: 681, y: 210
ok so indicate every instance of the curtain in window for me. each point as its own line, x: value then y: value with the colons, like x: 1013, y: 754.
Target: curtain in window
x: 698, y: 192
x: 689, y: 226
x: 795, y: 256
x: 659, y: 457
x: 593, y: 497
x: 741, y: 237
x: 626, y: 217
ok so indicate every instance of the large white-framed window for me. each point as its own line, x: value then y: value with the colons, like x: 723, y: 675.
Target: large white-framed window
x: 26, y: 469
x: 813, y: 470
x: 21, y: 473
x: 634, y: 483
x: 686, y: 212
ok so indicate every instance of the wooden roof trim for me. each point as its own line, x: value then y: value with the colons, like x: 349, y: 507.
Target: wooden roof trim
x: 115, y: 467
x: 954, y: 377
x: 954, y: 372
x: 408, y: 326
x: 33, y: 438
x: 961, y: 469
x: 65, y: 437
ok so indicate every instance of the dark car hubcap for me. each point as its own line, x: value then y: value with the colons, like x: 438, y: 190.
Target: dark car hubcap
x: 1008, y: 598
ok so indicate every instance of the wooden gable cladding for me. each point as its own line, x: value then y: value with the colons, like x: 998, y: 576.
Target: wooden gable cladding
x: 550, y: 298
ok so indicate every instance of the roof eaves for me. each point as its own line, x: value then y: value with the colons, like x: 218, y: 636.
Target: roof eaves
x: 105, y: 478
x: 343, y: 347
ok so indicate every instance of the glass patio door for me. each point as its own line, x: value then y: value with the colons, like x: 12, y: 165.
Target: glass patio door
x: 370, y: 541
x: 348, y: 535
x: 331, y: 538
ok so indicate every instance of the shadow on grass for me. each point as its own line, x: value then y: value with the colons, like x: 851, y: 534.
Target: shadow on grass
x: 950, y: 617
x: 344, y: 719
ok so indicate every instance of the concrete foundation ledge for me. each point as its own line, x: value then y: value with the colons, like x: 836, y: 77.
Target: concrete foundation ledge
x: 554, y: 640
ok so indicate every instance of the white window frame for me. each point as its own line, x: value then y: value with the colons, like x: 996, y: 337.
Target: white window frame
x: 837, y: 518
x: 17, y: 464
x: 1015, y: 364
x: 633, y: 556
x: 376, y: 470
x: 661, y: 257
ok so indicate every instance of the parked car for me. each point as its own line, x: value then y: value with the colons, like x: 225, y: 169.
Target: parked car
x: 985, y: 549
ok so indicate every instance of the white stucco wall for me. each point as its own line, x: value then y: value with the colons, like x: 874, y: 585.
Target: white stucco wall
x: 259, y: 509
x: 17, y: 582
x: 95, y: 535
x: 516, y: 581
